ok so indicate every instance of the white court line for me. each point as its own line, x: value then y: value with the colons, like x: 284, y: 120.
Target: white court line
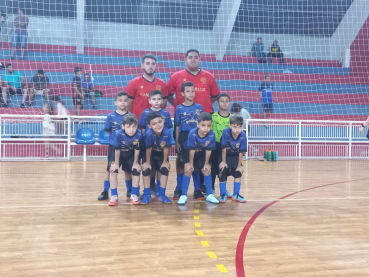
x: 197, y: 202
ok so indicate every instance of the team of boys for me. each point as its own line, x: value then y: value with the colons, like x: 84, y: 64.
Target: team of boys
x: 213, y: 144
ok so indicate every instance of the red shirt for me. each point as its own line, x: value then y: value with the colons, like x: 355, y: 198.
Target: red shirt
x: 205, y: 87
x: 139, y: 88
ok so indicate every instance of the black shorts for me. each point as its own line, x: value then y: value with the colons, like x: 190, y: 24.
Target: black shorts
x: 77, y: 99
x: 229, y: 171
x: 156, y: 159
x: 198, y: 160
x: 111, y: 156
x: 14, y: 92
x: 126, y: 163
x: 268, y: 107
x: 182, y: 137
x: 216, y: 158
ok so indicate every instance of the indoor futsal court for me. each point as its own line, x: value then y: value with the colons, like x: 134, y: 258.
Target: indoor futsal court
x: 301, y: 218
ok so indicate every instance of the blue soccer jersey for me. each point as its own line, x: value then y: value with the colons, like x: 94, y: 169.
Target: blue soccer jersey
x: 158, y: 143
x: 195, y: 142
x: 186, y: 116
x: 266, y: 92
x: 113, y: 124
x: 234, y: 146
x: 164, y: 113
x: 127, y: 144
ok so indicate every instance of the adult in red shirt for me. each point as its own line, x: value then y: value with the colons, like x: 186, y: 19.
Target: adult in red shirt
x: 139, y: 88
x: 206, y: 88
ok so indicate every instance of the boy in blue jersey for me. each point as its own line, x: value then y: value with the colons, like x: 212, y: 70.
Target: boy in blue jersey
x: 127, y: 151
x: 234, y: 145
x: 266, y: 95
x: 196, y: 152
x: 156, y: 101
x: 155, y: 157
x: 113, y: 124
x: 185, y: 119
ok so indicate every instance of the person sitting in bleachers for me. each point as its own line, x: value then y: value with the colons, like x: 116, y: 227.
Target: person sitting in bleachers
x: 275, y: 52
x: 88, y: 87
x: 257, y: 50
x: 40, y: 86
x: 12, y: 83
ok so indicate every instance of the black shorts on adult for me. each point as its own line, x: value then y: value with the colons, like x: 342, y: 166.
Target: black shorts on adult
x: 229, y: 171
x: 268, y: 107
x: 156, y: 160
x: 126, y: 163
x: 182, y: 137
x: 77, y: 99
x: 111, y: 156
x: 14, y: 92
x: 198, y: 160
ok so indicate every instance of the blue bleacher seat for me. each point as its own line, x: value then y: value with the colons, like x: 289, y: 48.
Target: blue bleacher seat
x: 85, y: 136
x: 103, y: 137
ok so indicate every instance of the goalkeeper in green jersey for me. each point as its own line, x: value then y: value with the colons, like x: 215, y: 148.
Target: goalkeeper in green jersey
x: 220, y: 122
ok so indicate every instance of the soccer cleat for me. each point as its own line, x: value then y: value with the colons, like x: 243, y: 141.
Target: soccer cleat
x: 145, y: 200
x: 113, y: 200
x: 198, y: 195
x: 177, y: 194
x: 164, y: 199
x: 238, y: 198
x: 182, y: 200
x: 30, y: 105
x: 22, y: 106
x: 94, y: 107
x: 228, y: 194
x: 203, y: 189
x: 134, y: 199
x: 223, y: 198
x: 211, y: 198
x: 5, y: 105
x: 103, y: 196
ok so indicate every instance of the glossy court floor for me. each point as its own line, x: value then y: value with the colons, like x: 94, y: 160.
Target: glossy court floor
x: 51, y: 224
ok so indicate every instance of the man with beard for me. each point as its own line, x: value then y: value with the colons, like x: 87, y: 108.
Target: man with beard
x: 139, y: 88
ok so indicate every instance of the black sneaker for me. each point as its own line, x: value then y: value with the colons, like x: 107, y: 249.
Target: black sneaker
x: 94, y: 107
x: 30, y: 105
x: 22, y: 106
x: 203, y: 189
x: 5, y: 105
x: 177, y: 194
x: 103, y: 196
x: 198, y: 195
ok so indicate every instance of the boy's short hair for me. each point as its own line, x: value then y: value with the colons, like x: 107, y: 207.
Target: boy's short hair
x: 129, y: 119
x: 8, y: 64
x: 155, y: 92
x: 119, y: 94
x: 76, y: 69
x: 223, y: 95
x: 266, y: 75
x: 152, y: 115
x: 236, y: 119
x: 204, y: 116
x: 192, y: 50
x: 148, y: 56
x: 186, y: 84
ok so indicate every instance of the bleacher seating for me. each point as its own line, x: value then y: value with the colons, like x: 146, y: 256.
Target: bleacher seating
x: 314, y: 89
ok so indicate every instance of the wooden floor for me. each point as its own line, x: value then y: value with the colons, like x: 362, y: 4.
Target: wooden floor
x: 51, y: 224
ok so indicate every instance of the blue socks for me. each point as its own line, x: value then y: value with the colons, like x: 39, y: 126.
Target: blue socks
x: 236, y: 190
x: 157, y: 186
x: 208, y: 185
x: 129, y: 185
x: 185, y: 184
x: 134, y: 191
x: 161, y: 191
x: 179, y: 181
x: 147, y: 191
x: 196, y: 180
x: 106, y: 185
x: 223, y: 188
x: 114, y: 192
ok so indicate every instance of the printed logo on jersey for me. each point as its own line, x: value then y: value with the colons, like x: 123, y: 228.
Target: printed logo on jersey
x: 141, y: 87
x: 158, y: 87
x: 190, y: 118
x: 162, y: 144
x: 198, y: 112
x: 203, y: 80
x: 135, y: 142
x: 207, y: 143
x: 184, y: 80
x: 238, y: 145
x: 200, y: 89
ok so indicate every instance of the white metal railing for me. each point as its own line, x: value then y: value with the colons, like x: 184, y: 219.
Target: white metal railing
x: 23, y: 137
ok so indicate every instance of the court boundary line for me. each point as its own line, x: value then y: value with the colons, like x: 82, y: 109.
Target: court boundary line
x: 240, y: 269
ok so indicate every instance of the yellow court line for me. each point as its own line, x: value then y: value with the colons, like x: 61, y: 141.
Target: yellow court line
x: 212, y: 255
x: 221, y: 268
x: 197, y: 224
x: 196, y: 211
x: 196, y: 217
x: 204, y: 243
x: 197, y: 205
x: 200, y: 233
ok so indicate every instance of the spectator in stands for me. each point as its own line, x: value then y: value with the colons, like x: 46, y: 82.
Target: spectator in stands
x: 241, y: 111
x: 257, y: 50
x: 12, y: 84
x: 275, y: 52
x: 77, y: 90
x: 20, y: 24
x: 6, y: 28
x: 88, y: 87
x: 266, y: 90
x: 40, y: 86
